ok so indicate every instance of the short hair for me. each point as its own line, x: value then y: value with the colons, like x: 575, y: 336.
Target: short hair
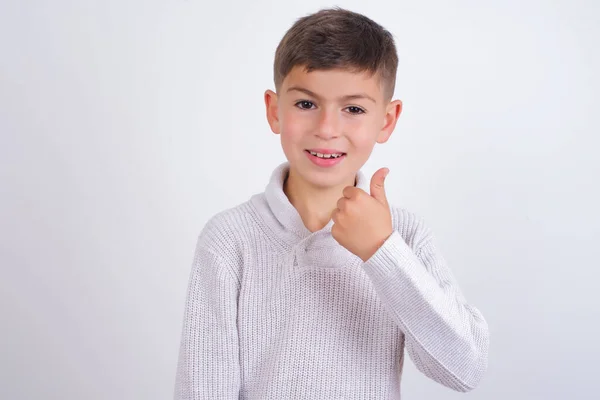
x: 336, y: 38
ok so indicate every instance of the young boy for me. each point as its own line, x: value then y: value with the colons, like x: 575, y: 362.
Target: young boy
x: 314, y: 288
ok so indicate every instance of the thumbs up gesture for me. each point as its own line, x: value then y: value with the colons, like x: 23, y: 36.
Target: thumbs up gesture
x: 362, y: 221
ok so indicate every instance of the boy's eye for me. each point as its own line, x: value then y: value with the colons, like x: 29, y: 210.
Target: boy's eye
x: 355, y: 110
x: 304, y: 104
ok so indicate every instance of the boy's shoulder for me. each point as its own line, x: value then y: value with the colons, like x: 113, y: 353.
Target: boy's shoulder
x: 235, y: 231
x: 224, y: 233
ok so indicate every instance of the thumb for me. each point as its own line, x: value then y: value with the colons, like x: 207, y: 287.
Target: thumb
x: 377, y: 187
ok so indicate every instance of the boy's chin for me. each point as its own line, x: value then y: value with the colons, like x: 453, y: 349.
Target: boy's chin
x: 325, y: 178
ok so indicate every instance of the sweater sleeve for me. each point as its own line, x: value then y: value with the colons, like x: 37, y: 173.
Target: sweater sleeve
x: 208, y: 365
x: 446, y: 338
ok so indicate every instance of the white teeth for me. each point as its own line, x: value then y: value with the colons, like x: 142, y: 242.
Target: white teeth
x: 320, y: 155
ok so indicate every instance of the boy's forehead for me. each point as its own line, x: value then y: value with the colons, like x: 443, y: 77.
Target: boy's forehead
x: 333, y: 82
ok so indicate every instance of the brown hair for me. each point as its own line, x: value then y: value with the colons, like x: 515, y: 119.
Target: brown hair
x: 338, y: 38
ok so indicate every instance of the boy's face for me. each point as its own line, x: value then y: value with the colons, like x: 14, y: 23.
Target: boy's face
x: 336, y: 110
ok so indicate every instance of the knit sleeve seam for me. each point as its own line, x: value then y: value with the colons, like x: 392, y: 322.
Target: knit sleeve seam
x: 222, y: 262
x: 421, y: 246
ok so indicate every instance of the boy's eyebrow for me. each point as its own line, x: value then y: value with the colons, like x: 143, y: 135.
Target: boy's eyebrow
x: 347, y: 97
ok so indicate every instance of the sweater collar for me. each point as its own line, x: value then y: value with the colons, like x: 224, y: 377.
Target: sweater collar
x: 293, y: 228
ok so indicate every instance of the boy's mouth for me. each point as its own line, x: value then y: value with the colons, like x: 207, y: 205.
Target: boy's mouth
x: 326, y: 154
x: 325, y: 158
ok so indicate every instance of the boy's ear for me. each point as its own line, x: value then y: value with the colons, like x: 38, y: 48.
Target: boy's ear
x: 390, y: 118
x: 272, y: 111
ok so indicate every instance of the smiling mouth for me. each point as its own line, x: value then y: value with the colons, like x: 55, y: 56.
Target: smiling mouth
x: 325, y: 156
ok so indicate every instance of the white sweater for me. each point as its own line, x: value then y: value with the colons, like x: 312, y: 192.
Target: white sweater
x: 274, y: 311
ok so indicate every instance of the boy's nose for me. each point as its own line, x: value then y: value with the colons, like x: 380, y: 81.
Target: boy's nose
x: 329, y: 124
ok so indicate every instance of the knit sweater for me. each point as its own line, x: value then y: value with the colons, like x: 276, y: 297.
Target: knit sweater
x: 274, y: 311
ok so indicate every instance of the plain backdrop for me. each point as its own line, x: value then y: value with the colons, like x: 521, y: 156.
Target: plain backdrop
x: 125, y: 125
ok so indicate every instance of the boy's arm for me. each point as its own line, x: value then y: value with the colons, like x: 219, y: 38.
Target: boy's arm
x: 446, y: 338
x: 208, y: 366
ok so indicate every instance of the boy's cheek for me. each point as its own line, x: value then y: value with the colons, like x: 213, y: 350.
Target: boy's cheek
x: 295, y: 128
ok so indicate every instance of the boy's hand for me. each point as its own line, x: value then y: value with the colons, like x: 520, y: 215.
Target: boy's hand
x: 362, y: 221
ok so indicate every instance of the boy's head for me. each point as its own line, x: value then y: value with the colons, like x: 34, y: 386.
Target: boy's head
x: 335, y: 73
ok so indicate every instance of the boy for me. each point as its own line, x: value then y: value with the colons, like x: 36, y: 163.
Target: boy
x: 314, y: 288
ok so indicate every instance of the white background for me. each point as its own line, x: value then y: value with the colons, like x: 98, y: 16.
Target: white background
x: 126, y: 124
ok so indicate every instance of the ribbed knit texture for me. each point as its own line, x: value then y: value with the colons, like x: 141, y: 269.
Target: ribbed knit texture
x: 274, y: 311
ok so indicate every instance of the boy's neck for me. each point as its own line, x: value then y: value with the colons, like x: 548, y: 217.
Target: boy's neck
x: 314, y: 205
